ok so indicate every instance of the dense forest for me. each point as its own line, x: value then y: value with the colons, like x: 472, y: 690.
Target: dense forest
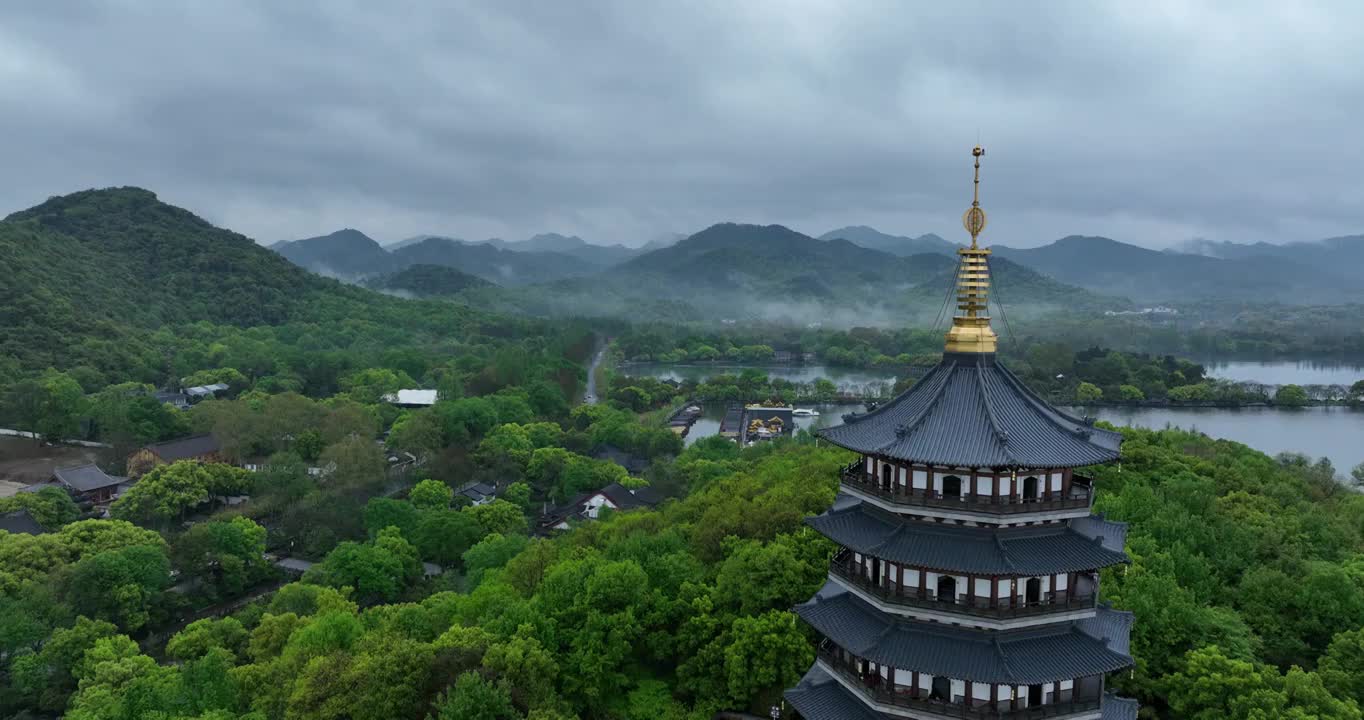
x: 1243, y: 580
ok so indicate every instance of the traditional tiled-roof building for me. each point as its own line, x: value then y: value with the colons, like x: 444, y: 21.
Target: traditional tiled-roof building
x: 967, y: 577
x: 201, y: 448
x: 88, y: 482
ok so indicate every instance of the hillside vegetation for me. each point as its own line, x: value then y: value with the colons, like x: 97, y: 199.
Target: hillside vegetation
x: 118, y: 286
x: 427, y: 281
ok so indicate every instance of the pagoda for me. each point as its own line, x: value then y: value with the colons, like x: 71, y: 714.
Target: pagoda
x: 966, y: 580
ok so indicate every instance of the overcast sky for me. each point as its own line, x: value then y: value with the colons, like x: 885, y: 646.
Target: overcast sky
x: 1148, y: 122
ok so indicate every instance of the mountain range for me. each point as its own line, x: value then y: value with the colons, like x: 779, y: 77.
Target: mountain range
x: 894, y: 244
x: 785, y: 263
x: 1147, y: 275
x: 1335, y: 256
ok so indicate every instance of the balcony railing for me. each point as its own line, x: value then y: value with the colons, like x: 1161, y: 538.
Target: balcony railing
x: 1079, y: 497
x: 846, y: 569
x: 879, y: 690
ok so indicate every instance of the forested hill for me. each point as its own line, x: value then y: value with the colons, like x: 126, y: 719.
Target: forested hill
x: 776, y: 256
x: 504, y: 267
x: 344, y: 253
x: 427, y: 281
x: 88, y: 277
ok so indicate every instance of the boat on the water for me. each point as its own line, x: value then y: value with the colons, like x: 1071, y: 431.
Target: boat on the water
x: 805, y: 412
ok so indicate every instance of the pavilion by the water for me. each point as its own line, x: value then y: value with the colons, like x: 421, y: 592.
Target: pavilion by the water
x: 966, y: 581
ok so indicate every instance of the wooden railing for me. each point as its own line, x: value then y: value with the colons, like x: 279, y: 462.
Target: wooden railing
x: 878, y: 690
x: 855, y: 477
x: 847, y: 570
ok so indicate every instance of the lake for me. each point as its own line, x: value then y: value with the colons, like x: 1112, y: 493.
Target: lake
x: 1327, y: 431
x: 1284, y: 372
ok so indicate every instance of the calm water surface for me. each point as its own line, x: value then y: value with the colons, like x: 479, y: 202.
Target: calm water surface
x: 1333, y: 432
x: 1279, y: 372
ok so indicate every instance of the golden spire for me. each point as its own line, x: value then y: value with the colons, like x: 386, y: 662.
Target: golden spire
x: 971, y: 332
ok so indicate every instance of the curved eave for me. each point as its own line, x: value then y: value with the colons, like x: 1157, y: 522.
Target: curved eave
x: 1024, y: 657
x: 1026, y: 551
x: 820, y: 697
x: 970, y: 411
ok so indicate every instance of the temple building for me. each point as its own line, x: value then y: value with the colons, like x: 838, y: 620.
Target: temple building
x: 966, y: 581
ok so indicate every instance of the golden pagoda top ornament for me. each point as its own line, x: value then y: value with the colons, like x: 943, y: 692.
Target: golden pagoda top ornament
x: 974, y: 218
x: 971, y: 331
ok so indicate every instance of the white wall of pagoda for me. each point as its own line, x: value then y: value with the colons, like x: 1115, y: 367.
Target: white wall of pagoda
x: 912, y: 578
x: 981, y: 693
x: 987, y: 482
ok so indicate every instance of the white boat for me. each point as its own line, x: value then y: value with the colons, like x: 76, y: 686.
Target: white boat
x: 805, y: 412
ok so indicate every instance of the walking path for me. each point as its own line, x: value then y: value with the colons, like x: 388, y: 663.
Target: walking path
x: 590, y: 395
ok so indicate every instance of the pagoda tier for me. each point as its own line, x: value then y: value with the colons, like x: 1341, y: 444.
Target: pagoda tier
x: 1084, y: 544
x: 820, y: 696
x: 1056, y: 652
x: 970, y: 411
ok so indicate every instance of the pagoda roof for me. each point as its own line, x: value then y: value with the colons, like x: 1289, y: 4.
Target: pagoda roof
x: 970, y: 411
x: 1029, y: 550
x: 1119, y: 708
x: 1059, y: 651
x: 820, y: 697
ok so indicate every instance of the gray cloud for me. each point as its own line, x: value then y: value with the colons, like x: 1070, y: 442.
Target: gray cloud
x: 1148, y: 122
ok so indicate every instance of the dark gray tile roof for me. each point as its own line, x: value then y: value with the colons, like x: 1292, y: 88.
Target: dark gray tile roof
x: 820, y: 697
x: 1112, y: 534
x: 621, y: 497
x: 618, y: 494
x: 38, y: 487
x: 1032, y: 550
x: 1059, y: 651
x: 477, y: 490
x: 1119, y: 708
x: 85, y: 478
x: 1114, y: 627
x: 970, y: 411
x: 183, y: 448
x: 20, y: 521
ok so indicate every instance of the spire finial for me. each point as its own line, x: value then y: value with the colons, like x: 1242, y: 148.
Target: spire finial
x: 971, y: 331
x: 974, y: 219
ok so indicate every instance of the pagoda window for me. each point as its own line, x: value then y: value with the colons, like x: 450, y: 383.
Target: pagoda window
x: 941, y: 689
x: 951, y: 486
x: 887, y: 476
x: 947, y: 588
x: 1030, y: 487
x: 1034, y: 695
x: 1032, y: 593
